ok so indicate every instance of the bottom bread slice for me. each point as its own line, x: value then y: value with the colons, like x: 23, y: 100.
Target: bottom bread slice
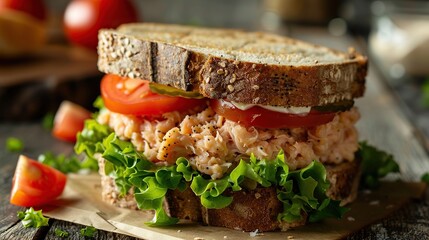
x: 250, y: 210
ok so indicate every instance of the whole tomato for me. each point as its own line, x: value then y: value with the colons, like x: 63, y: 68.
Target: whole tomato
x: 83, y: 19
x: 35, y: 8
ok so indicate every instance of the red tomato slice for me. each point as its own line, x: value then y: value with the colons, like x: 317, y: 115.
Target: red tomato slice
x: 35, y: 8
x: 263, y: 118
x: 69, y: 120
x: 133, y: 96
x: 83, y: 19
x: 35, y: 184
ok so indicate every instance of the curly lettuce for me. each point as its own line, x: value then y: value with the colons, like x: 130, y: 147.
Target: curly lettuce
x: 89, y: 141
x: 299, y: 191
x: 375, y: 164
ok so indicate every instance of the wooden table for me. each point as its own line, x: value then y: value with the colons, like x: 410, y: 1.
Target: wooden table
x: 383, y: 124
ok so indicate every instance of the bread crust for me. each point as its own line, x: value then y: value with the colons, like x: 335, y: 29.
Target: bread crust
x: 175, y: 62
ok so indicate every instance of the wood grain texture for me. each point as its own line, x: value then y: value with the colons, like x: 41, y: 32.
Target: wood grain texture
x: 55, y: 62
x: 411, y: 222
x: 7, y: 211
x: 10, y: 225
x: 74, y: 232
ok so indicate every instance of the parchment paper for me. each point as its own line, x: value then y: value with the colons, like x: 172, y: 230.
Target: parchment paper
x: 81, y: 203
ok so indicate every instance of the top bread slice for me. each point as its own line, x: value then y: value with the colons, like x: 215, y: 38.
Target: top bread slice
x: 245, y: 67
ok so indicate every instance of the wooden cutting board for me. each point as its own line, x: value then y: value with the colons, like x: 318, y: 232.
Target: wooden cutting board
x: 52, y: 63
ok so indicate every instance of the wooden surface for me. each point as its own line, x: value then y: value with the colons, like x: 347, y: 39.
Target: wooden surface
x: 383, y: 124
x: 53, y: 63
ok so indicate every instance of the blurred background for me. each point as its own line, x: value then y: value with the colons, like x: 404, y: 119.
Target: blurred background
x: 47, y: 51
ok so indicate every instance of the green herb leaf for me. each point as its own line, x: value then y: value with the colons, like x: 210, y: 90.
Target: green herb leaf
x: 32, y: 218
x: 14, y: 144
x: 61, y: 162
x: 425, y: 93
x: 88, y: 231
x: 376, y: 164
x: 425, y: 178
x: 48, y: 121
x: 61, y: 233
x: 98, y: 103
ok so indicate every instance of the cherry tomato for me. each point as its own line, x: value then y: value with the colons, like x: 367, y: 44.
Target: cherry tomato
x: 263, y: 118
x: 133, y: 96
x: 35, y: 184
x: 69, y: 120
x: 83, y: 19
x: 35, y: 8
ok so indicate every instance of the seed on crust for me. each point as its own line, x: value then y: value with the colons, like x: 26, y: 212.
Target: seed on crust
x: 233, y: 78
x: 230, y: 88
x: 255, y: 87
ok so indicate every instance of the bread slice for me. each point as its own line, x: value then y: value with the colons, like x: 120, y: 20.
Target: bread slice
x: 246, y: 67
x: 250, y: 209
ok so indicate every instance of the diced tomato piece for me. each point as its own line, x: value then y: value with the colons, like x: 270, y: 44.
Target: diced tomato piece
x: 69, y: 120
x: 35, y: 184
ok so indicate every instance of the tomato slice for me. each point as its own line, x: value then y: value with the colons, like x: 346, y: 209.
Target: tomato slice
x: 69, y: 120
x: 264, y: 118
x: 133, y: 96
x: 35, y: 184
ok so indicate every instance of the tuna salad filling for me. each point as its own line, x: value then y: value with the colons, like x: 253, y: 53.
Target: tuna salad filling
x: 214, y: 145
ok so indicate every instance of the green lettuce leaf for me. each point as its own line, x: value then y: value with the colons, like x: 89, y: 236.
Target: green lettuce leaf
x: 376, y: 164
x: 210, y: 191
x: 299, y: 191
x: 305, y: 191
x: 89, y: 141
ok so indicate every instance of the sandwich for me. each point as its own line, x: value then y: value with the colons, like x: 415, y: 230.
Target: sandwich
x: 244, y: 130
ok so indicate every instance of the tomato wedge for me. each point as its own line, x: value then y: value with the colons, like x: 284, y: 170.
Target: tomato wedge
x: 35, y: 184
x: 263, y: 118
x: 133, y: 96
x: 69, y: 120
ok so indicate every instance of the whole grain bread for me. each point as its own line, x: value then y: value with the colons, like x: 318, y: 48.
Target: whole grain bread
x: 245, y: 67
x: 250, y: 210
